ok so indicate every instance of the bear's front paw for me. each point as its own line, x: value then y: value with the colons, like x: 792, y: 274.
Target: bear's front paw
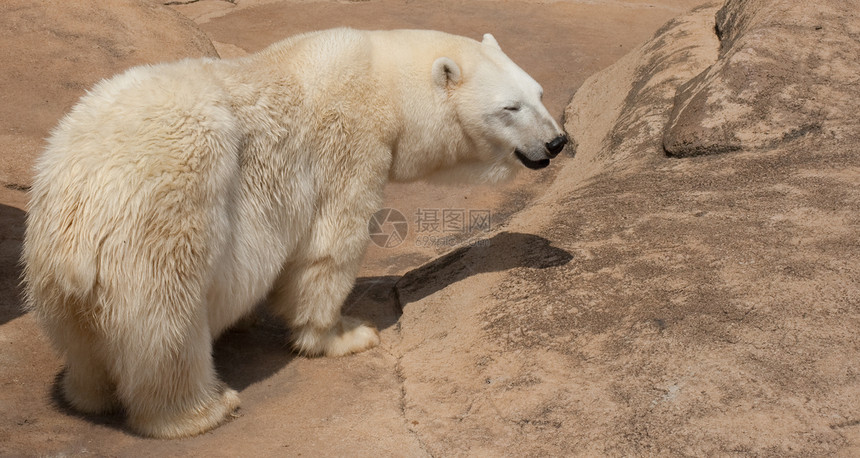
x: 347, y: 336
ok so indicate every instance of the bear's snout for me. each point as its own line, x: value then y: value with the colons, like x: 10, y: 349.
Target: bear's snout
x: 556, y: 145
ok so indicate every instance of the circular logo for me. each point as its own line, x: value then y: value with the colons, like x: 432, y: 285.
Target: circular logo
x: 388, y: 228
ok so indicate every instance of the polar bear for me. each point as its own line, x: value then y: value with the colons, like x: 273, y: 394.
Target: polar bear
x: 173, y: 198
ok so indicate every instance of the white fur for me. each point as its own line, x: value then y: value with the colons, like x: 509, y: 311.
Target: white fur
x: 173, y: 198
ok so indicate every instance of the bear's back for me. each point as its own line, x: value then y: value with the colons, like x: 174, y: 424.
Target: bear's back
x: 129, y: 146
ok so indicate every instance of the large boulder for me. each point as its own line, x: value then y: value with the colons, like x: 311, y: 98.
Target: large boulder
x: 57, y: 50
x: 649, y: 305
x: 786, y: 69
x: 625, y: 108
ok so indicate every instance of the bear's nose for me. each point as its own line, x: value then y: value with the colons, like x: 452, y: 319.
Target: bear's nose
x: 556, y: 145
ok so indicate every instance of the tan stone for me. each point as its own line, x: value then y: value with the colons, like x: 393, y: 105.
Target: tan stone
x: 786, y: 69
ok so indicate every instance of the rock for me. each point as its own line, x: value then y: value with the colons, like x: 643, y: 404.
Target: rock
x: 717, y: 293
x: 785, y: 70
x: 610, y: 117
x: 58, y: 50
x: 667, y: 307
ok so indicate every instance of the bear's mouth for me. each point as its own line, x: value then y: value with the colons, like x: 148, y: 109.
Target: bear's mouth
x: 534, y: 165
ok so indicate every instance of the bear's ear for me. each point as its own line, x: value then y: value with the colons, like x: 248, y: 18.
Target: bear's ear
x: 490, y: 40
x: 445, y: 72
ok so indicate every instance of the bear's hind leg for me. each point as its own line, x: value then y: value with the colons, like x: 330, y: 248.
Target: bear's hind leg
x: 309, y: 296
x: 168, y: 383
x: 85, y: 383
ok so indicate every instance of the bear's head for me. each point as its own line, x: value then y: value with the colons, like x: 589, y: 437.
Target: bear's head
x: 499, y: 108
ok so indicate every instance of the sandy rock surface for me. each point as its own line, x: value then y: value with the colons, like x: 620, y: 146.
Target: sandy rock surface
x: 621, y: 302
x: 784, y: 71
x: 727, y: 287
x: 649, y: 305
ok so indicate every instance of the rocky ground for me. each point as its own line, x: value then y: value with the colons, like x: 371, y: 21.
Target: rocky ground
x: 687, y: 284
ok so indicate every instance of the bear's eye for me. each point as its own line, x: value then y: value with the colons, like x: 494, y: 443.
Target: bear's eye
x: 512, y: 108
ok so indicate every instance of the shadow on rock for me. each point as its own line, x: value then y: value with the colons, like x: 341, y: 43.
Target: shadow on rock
x: 505, y: 251
x: 252, y: 351
x: 11, y: 236
x: 381, y: 299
